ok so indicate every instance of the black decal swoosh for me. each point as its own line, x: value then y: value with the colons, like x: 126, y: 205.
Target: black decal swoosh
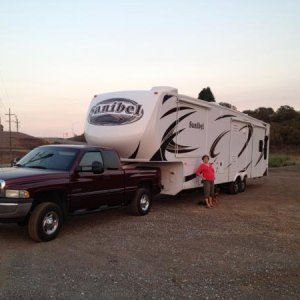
x: 250, y: 132
x: 157, y: 155
x: 173, y: 110
x: 160, y: 153
x: 171, y: 128
x: 190, y: 177
x: 134, y: 154
x: 166, y: 98
x: 243, y: 170
x: 167, y: 138
x: 259, y: 159
x: 224, y: 116
x: 214, y: 144
x: 176, y: 148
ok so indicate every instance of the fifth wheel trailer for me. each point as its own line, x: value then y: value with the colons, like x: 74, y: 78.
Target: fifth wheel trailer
x: 160, y: 127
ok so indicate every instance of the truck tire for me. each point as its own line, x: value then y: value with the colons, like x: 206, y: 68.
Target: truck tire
x: 234, y: 187
x: 45, y: 222
x: 242, y: 185
x: 141, y: 203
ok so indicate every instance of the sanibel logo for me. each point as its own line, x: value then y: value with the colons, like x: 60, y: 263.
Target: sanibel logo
x: 197, y: 125
x: 115, y: 111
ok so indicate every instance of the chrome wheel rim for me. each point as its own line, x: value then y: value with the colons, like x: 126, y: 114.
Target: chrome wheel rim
x: 50, y: 222
x: 144, y: 202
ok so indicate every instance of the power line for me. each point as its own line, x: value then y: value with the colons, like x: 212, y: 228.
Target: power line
x: 9, y: 122
x: 17, y: 123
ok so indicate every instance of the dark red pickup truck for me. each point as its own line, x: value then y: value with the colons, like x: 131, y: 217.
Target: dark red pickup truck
x: 52, y: 182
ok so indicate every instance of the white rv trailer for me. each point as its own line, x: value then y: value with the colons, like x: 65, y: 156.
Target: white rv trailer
x: 162, y: 128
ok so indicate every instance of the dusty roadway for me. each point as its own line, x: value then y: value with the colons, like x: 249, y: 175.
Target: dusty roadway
x: 246, y: 248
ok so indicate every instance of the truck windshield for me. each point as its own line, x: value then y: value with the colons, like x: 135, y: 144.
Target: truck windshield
x: 49, y: 158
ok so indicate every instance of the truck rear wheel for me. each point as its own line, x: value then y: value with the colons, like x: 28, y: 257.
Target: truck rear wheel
x: 141, y: 203
x: 45, y: 222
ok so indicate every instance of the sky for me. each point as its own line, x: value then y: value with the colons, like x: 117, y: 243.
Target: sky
x: 56, y: 55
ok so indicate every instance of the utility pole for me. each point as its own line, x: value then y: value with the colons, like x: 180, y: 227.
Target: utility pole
x: 9, y: 122
x: 17, y: 123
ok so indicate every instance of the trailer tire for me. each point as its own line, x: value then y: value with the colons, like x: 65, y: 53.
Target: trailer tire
x: 141, y: 203
x: 242, y: 185
x: 45, y: 222
x: 234, y: 187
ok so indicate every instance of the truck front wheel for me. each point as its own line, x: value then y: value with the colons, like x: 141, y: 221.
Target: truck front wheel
x: 45, y: 222
x: 141, y: 203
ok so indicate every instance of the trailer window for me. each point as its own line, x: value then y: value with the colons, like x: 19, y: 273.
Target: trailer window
x: 266, y: 147
x: 260, y: 145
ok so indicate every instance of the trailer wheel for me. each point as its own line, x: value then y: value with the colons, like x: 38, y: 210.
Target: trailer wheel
x: 242, y: 185
x: 141, y: 203
x: 45, y: 222
x: 234, y: 187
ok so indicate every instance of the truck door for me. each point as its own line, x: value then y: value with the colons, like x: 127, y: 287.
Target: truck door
x: 114, y: 177
x: 90, y: 190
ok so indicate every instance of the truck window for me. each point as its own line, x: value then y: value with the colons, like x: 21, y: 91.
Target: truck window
x: 49, y: 158
x: 111, y: 159
x: 88, y: 159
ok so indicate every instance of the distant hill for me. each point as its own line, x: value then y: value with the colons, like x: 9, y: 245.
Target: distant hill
x: 19, y: 140
x: 21, y: 143
x: 77, y: 139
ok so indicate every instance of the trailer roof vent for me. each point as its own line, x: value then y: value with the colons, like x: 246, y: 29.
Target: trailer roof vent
x: 166, y: 89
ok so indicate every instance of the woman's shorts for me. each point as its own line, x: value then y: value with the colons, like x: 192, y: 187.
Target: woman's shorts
x: 209, y: 188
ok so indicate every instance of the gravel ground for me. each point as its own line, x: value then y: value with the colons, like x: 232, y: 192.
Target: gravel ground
x: 245, y: 248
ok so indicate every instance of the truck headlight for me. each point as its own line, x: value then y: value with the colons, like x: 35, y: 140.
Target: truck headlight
x: 2, y: 184
x: 17, y: 194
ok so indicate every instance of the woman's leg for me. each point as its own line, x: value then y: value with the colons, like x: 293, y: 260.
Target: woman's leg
x: 206, y: 188
x: 212, y: 193
x: 208, y: 203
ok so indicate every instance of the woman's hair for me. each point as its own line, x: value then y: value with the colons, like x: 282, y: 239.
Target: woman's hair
x: 205, y: 155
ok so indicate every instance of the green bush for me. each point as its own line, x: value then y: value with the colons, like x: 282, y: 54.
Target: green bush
x: 280, y: 160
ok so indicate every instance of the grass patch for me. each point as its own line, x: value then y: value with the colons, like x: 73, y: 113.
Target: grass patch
x: 280, y: 160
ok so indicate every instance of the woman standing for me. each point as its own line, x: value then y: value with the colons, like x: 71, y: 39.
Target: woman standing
x: 207, y: 173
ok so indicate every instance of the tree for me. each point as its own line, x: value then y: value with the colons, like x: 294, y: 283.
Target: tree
x: 285, y: 125
x: 265, y: 114
x: 285, y: 113
x: 206, y: 95
x: 225, y: 104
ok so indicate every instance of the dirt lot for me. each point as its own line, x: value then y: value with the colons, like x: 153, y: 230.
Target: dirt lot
x: 246, y: 248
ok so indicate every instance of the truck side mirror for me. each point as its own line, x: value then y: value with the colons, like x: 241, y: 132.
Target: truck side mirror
x: 15, y: 160
x: 97, y: 167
